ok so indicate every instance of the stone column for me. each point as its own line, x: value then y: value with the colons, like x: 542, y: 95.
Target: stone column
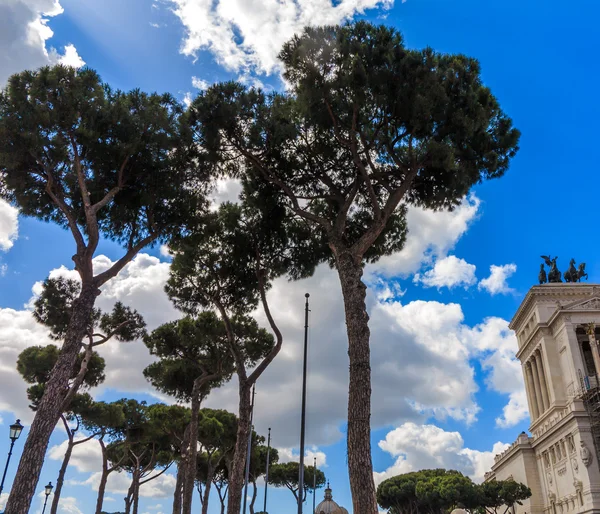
x: 540, y: 365
x: 591, y: 332
x: 536, y: 384
x: 531, y: 390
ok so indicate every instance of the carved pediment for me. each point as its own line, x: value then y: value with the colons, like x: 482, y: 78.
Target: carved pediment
x: 591, y: 304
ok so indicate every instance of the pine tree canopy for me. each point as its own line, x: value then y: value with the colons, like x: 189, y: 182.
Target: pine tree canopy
x: 368, y: 127
x: 98, y: 161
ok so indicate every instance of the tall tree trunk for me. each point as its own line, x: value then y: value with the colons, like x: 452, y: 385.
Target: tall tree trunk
x: 360, y: 466
x: 254, y: 492
x: 236, y: 477
x: 191, y: 464
x: 63, y: 468
x: 129, y: 497
x: 132, y: 492
x: 136, y: 494
x: 178, y: 487
x: 61, y: 478
x: 51, y: 406
x: 103, y: 478
x: 209, y: 477
x: 222, y: 495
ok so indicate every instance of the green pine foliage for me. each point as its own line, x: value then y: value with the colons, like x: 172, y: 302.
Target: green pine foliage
x: 438, y: 491
x: 287, y: 474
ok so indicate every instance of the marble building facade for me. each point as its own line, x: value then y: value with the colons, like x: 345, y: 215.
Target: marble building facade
x: 557, y: 337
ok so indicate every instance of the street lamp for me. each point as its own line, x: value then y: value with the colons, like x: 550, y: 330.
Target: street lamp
x: 14, y: 434
x: 48, y: 490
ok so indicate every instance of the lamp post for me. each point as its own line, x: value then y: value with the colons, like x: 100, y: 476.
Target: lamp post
x: 249, y: 453
x: 315, y: 486
x: 303, y: 412
x: 14, y: 434
x: 48, y: 490
x: 267, y: 471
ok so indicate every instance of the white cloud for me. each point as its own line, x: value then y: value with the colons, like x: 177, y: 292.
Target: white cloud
x: 418, y: 447
x: 3, y: 269
x: 386, y: 290
x: 439, y: 328
x: 68, y: 505
x: 165, y: 251
x: 87, y: 458
x: 187, y: 99
x: 495, y: 345
x: 496, y: 282
x: 18, y: 330
x: 3, y: 500
x: 140, y: 285
x: 251, y: 81
x: 226, y: 190
x: 411, y: 343
x: 70, y: 57
x: 448, y: 272
x: 291, y: 455
x: 200, y: 83
x: 431, y: 235
x: 246, y: 35
x: 24, y: 32
x: 515, y: 410
x: 9, y: 222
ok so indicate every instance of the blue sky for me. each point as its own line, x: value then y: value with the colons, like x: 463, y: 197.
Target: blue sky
x: 442, y: 355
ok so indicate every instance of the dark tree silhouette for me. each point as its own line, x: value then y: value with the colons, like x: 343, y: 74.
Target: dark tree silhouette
x: 367, y: 128
x: 100, y: 163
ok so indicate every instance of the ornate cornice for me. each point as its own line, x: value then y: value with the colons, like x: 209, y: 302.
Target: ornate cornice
x: 549, y: 422
x: 593, y: 304
x: 548, y: 292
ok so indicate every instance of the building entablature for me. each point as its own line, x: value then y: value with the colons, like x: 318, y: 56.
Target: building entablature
x: 556, y: 416
x: 551, y: 293
x: 523, y: 443
x: 576, y: 312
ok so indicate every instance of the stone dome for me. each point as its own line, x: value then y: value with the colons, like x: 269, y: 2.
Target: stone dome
x: 328, y: 506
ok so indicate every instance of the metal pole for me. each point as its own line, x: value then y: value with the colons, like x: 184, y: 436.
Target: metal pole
x: 12, y: 443
x: 45, y: 501
x: 315, y: 486
x: 267, y: 472
x: 249, y: 452
x: 303, y: 417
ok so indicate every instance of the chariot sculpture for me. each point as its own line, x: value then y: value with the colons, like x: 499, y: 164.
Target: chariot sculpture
x: 573, y: 274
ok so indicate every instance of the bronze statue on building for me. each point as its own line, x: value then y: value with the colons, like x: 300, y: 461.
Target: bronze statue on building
x: 573, y: 274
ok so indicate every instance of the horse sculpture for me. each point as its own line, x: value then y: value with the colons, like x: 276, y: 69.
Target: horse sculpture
x: 542, y: 275
x: 571, y: 274
x: 554, y: 275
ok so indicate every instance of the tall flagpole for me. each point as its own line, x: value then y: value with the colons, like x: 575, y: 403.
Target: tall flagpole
x: 315, y: 486
x: 249, y: 449
x: 267, y: 472
x: 303, y: 417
